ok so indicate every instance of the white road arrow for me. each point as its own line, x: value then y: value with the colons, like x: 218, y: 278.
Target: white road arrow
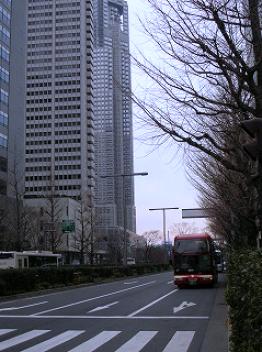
x: 103, y: 307
x: 30, y: 305
x: 183, y: 305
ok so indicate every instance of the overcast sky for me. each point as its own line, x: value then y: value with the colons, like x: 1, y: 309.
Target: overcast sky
x: 166, y: 185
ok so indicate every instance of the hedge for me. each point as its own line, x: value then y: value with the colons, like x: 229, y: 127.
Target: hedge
x: 244, y: 297
x: 14, y: 281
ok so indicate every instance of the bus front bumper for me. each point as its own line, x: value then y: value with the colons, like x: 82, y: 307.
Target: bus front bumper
x: 195, y: 279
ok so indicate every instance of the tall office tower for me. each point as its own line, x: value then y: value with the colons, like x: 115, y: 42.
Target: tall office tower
x: 59, y: 105
x: 5, y: 12
x: 113, y: 115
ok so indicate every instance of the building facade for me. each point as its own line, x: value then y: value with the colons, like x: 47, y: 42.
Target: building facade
x: 59, y: 138
x: 5, y: 22
x: 113, y: 116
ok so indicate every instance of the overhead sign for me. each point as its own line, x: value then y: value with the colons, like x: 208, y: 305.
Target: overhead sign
x: 196, y: 213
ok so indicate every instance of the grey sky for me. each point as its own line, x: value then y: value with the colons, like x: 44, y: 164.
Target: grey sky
x: 166, y: 185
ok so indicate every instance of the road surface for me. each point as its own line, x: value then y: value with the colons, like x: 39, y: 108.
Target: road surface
x: 146, y: 314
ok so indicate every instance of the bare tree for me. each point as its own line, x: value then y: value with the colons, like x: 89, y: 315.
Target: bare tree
x: 211, y: 71
x: 152, y: 238
x: 183, y: 228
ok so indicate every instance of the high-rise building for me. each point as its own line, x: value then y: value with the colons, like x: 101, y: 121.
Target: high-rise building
x: 59, y: 139
x: 113, y: 115
x: 5, y: 16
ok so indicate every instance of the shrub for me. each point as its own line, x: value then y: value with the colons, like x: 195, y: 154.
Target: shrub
x: 244, y: 297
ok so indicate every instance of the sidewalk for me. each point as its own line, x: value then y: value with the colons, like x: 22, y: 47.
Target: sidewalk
x: 216, y: 338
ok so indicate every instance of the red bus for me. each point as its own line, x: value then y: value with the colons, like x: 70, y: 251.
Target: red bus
x: 194, y: 260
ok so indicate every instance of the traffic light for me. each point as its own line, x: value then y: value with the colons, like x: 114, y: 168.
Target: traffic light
x: 253, y: 128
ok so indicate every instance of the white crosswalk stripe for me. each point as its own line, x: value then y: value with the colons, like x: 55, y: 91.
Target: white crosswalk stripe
x: 6, y: 331
x: 180, y: 341
x: 137, y: 342
x: 54, y: 341
x: 21, y: 338
x: 95, y: 342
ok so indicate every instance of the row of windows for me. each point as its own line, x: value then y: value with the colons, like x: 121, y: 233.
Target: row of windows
x: 3, y: 118
x: 3, y: 140
x: 42, y: 159
x: 39, y: 84
x: 7, y: 3
x: 38, y: 118
x: 4, y: 16
x: 39, y: 92
x: 4, y: 74
x: 38, y: 151
x: 39, y: 134
x: 57, y: 177
x: 57, y: 141
x: 49, y: 108
x: 4, y: 53
x: 4, y: 35
x: 60, y: 188
x: 3, y: 96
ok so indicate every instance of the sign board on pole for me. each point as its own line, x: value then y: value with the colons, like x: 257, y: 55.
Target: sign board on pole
x: 196, y: 213
x: 68, y: 225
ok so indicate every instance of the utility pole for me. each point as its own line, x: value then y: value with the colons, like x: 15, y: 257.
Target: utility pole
x: 164, y: 220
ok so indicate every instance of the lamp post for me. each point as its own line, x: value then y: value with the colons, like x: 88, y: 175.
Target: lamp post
x: 124, y: 206
x: 164, y: 220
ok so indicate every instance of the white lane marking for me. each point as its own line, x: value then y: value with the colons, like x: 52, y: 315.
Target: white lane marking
x: 103, y: 307
x: 180, y: 342
x: 152, y: 303
x: 5, y: 331
x: 21, y: 338
x: 29, y: 305
x: 170, y: 282
x: 136, y: 343
x: 183, y: 305
x: 92, y: 299
x: 130, y: 282
x: 103, y: 317
x: 95, y: 342
x: 54, y: 341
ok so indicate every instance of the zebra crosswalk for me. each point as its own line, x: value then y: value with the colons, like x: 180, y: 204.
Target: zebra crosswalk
x: 13, y: 340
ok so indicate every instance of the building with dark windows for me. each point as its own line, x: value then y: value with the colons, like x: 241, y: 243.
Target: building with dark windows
x: 113, y: 116
x: 5, y: 20
x: 59, y: 139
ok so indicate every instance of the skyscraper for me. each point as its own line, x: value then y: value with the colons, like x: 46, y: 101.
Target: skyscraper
x: 59, y: 140
x: 5, y: 11
x: 113, y: 115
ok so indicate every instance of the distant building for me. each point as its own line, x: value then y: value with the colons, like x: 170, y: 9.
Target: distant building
x: 113, y: 116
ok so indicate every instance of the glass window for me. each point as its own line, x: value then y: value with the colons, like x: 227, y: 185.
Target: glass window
x: 191, y: 246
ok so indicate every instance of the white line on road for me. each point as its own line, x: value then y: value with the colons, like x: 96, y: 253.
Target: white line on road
x: 97, y: 341
x: 103, y: 307
x: 6, y: 331
x: 170, y: 282
x: 130, y: 282
x: 29, y: 305
x: 103, y: 317
x: 152, y: 303
x: 180, y: 342
x: 92, y: 299
x: 54, y: 341
x: 137, y: 342
x: 21, y: 338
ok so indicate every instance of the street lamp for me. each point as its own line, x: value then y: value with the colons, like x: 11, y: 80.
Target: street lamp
x: 124, y: 205
x: 164, y: 220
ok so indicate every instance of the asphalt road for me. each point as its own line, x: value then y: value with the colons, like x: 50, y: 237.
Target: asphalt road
x: 138, y: 314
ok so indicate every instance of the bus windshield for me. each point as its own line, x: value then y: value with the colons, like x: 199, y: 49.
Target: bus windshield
x: 191, y: 246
